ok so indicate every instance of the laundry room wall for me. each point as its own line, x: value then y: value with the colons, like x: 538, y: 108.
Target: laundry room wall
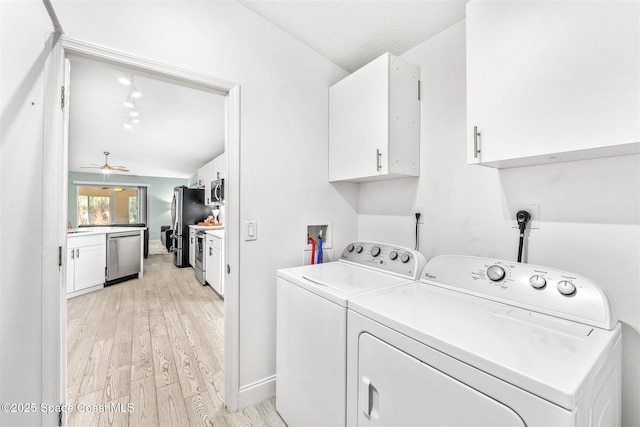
x: 589, y: 210
x: 284, y: 183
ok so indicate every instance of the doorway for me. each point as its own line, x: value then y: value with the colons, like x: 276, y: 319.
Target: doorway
x: 57, y: 78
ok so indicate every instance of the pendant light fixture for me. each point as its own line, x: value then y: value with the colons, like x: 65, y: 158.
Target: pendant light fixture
x: 130, y: 102
x: 135, y: 93
x: 125, y: 79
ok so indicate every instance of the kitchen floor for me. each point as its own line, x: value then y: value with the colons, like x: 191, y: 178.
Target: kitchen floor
x: 155, y: 343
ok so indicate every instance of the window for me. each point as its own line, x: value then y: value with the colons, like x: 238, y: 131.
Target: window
x: 108, y: 205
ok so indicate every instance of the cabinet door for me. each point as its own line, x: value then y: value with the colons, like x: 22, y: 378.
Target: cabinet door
x: 397, y: 389
x: 90, y: 263
x: 552, y: 81
x: 213, y: 264
x: 192, y: 247
x: 359, y: 123
x: 71, y: 270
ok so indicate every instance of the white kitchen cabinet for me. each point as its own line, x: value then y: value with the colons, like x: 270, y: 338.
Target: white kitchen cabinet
x: 192, y: 247
x: 374, y: 122
x: 86, y: 263
x: 551, y: 81
x: 209, y: 172
x: 214, y: 260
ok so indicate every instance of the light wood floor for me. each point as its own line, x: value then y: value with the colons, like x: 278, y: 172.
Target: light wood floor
x: 155, y: 343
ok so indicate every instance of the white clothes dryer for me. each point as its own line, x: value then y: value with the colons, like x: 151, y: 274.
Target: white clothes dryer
x: 483, y: 342
x: 311, y: 327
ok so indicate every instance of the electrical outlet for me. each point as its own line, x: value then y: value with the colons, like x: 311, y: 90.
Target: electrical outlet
x: 534, y: 211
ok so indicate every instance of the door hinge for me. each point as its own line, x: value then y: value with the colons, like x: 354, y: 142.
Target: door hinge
x: 62, y: 97
x: 418, y: 90
x: 60, y: 419
x: 59, y: 256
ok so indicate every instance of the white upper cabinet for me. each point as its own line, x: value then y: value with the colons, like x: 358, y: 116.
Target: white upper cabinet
x: 552, y: 81
x: 374, y: 122
x: 209, y: 172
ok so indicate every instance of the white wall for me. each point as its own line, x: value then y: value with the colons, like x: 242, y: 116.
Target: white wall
x: 589, y: 210
x: 22, y: 59
x: 283, y: 150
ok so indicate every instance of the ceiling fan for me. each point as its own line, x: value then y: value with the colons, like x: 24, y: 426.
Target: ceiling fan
x: 106, y: 168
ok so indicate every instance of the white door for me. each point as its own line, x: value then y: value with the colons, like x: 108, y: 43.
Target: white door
x: 397, y: 390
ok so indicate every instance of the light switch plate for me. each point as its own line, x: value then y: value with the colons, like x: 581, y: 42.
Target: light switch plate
x: 250, y: 230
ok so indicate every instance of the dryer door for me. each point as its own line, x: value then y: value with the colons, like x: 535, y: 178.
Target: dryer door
x: 397, y: 389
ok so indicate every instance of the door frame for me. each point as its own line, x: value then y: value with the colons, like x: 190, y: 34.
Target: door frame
x: 55, y: 193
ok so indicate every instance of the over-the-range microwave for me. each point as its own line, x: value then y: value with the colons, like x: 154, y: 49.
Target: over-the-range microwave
x: 217, y: 191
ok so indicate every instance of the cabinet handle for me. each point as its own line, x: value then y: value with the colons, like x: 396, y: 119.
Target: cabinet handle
x: 73, y: 254
x: 78, y: 253
x: 210, y: 251
x: 476, y: 136
x: 378, y: 158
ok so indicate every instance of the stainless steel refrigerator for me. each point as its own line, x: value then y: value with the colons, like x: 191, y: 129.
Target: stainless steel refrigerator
x: 187, y: 208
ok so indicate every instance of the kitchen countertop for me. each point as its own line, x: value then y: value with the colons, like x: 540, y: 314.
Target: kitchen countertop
x: 207, y: 227
x: 92, y: 231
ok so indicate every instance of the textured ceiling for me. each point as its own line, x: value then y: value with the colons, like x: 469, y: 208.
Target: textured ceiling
x: 351, y: 33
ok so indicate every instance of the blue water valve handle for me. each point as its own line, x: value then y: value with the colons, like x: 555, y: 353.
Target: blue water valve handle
x: 319, y: 259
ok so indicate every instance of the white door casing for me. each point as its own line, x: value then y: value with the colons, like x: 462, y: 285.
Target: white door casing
x: 55, y: 175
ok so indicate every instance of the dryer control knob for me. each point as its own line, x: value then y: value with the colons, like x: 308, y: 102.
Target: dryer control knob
x: 375, y: 251
x: 350, y: 247
x: 495, y: 273
x: 393, y: 255
x: 537, y: 282
x: 405, y: 258
x: 566, y: 288
x: 359, y: 248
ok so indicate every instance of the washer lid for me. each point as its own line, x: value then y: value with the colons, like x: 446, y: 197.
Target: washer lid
x: 338, y: 281
x: 553, y: 358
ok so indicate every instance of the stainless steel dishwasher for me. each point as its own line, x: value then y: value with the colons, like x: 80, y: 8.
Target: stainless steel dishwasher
x: 123, y: 256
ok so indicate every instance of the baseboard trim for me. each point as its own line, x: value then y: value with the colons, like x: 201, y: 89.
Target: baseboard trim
x: 256, y: 392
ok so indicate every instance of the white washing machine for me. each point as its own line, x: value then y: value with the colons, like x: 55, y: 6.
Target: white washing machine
x: 312, y: 327
x: 482, y: 342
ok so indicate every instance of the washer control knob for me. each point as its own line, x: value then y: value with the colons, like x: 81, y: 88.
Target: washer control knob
x: 393, y: 255
x: 375, y: 251
x: 566, y: 288
x: 405, y: 258
x: 350, y: 248
x: 359, y: 248
x: 537, y: 282
x: 495, y: 273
